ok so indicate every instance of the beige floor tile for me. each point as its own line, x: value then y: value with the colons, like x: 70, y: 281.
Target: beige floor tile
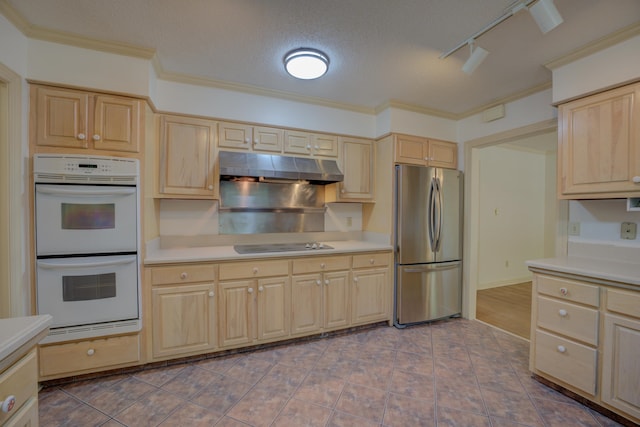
x: 363, y: 402
x: 299, y: 413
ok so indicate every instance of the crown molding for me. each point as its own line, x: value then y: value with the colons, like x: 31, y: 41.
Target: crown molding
x: 414, y: 108
x: 596, y: 46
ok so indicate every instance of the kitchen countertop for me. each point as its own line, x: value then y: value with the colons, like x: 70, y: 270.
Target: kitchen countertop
x: 603, y: 269
x: 227, y: 253
x: 18, y: 331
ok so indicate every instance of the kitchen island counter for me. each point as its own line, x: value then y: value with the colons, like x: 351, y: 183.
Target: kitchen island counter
x: 156, y: 256
x: 626, y: 274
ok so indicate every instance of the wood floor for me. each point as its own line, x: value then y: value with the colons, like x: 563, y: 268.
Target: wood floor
x: 507, y: 308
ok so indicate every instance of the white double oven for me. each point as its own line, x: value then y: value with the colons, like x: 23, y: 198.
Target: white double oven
x: 87, y: 236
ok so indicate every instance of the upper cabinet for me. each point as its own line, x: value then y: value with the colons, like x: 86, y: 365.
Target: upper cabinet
x: 311, y: 144
x: 357, y: 160
x: 416, y: 150
x: 66, y: 118
x: 246, y: 137
x: 599, y: 145
x: 188, y: 157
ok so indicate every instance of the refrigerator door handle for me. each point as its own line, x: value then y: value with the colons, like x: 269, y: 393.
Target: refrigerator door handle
x: 437, y: 214
x: 431, y: 214
x: 431, y: 267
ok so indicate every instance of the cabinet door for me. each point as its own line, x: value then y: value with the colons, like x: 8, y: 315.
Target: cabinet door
x: 188, y: 157
x: 369, y: 295
x: 297, y: 142
x: 268, y: 139
x: 306, y: 304
x: 273, y: 307
x: 357, y: 165
x: 61, y: 117
x: 235, y: 135
x: 442, y: 154
x: 116, y: 124
x: 621, y: 366
x: 324, y: 145
x: 183, y: 319
x: 411, y: 150
x: 336, y: 299
x: 235, y: 313
x: 599, y: 144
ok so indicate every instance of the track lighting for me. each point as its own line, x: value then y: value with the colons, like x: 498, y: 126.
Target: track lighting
x: 546, y: 15
x: 477, y: 55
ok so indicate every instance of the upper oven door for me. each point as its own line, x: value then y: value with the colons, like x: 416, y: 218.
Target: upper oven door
x: 81, y: 219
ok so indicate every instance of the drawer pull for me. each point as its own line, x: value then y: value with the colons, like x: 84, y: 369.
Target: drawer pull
x: 184, y: 275
x: 561, y: 349
x: 562, y: 312
x: 255, y: 270
x: 8, y: 403
x: 372, y: 261
x: 91, y: 352
x: 564, y: 291
x: 323, y: 265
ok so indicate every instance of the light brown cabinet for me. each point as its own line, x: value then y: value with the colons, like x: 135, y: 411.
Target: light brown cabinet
x: 188, y: 158
x: 253, y: 302
x: 66, y: 118
x: 247, y: 137
x: 20, y: 380
x: 310, y: 144
x: 599, y: 145
x: 416, y: 150
x: 370, y: 297
x: 357, y: 161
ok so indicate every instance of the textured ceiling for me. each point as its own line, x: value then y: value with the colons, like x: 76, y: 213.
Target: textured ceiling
x: 381, y: 50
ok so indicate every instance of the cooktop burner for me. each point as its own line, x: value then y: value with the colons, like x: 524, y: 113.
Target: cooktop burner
x: 279, y: 247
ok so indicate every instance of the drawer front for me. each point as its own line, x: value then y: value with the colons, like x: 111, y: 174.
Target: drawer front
x: 568, y: 290
x: 244, y: 270
x: 370, y: 260
x: 624, y: 302
x: 93, y: 354
x: 182, y: 274
x: 21, y: 381
x: 568, y: 319
x: 319, y: 264
x: 566, y: 360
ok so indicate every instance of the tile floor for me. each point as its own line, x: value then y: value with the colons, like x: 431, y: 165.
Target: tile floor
x: 449, y: 373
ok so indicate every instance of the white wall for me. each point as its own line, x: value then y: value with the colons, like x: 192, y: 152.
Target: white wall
x: 600, y: 221
x: 13, y: 47
x: 512, y: 214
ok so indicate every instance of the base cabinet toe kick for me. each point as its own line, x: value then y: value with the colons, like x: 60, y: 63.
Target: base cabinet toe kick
x: 585, y: 337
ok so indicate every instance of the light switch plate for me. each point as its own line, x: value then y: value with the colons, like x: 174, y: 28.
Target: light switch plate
x: 628, y: 230
x: 574, y: 229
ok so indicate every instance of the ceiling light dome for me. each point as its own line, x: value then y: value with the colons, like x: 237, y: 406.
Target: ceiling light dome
x: 306, y: 63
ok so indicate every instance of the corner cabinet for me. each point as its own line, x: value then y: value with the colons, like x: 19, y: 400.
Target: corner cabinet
x: 416, y: 150
x: 599, y: 145
x: 188, y: 157
x: 67, y: 118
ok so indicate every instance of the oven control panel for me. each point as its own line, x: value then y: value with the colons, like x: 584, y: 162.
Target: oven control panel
x: 59, y: 167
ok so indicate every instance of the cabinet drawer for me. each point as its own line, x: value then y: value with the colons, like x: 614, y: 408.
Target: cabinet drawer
x: 568, y: 319
x: 93, y: 354
x: 624, y: 302
x: 315, y: 264
x: 241, y: 270
x: 566, y: 360
x: 182, y: 274
x: 21, y: 381
x: 568, y: 290
x: 370, y: 260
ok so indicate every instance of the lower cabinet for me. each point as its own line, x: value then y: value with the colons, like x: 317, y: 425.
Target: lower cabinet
x: 20, y: 380
x: 370, y: 289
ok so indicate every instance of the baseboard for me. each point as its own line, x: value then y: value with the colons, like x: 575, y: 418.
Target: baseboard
x: 513, y: 281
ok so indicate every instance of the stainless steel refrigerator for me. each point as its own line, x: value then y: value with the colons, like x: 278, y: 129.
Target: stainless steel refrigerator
x: 428, y: 238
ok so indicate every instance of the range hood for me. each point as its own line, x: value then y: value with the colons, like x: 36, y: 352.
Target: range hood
x: 278, y: 168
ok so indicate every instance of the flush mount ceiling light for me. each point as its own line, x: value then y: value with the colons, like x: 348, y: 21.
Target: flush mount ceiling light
x: 544, y: 12
x: 477, y: 55
x: 306, y: 63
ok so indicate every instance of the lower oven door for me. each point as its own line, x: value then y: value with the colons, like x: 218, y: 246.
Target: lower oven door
x: 86, y: 290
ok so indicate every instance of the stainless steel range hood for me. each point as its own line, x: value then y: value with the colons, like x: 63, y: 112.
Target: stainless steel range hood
x: 281, y: 168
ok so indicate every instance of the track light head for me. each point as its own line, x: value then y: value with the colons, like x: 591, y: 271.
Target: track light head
x: 476, y: 57
x: 546, y: 15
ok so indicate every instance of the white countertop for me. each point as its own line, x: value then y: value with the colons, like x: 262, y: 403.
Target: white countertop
x: 227, y: 253
x: 17, y: 331
x: 615, y: 271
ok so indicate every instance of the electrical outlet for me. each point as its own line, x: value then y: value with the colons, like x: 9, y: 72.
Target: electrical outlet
x: 574, y: 229
x: 628, y: 230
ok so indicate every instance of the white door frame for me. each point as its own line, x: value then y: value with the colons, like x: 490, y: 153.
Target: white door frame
x: 14, y: 289
x: 471, y: 207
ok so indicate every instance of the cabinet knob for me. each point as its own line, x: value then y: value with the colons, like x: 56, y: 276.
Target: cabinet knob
x: 309, y: 147
x: 255, y: 142
x: 184, y: 275
x: 322, y: 265
x: 564, y: 291
x: 250, y: 290
x: 326, y: 281
x: 561, y: 349
x: 255, y: 270
x: 261, y: 289
x: 8, y: 403
x: 562, y: 312
x: 318, y: 282
x: 316, y: 147
x: 96, y: 137
x: 636, y: 179
x: 427, y: 158
x: 91, y: 352
x: 342, y: 190
x: 210, y: 187
x: 211, y: 294
x: 247, y: 140
x: 82, y: 136
x: 372, y: 261
x: 355, y: 279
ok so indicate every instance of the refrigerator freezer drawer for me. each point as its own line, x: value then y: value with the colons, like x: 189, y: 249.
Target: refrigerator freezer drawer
x: 428, y: 291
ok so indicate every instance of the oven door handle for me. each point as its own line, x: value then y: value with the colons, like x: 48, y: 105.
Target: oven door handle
x: 93, y: 192
x: 57, y: 266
